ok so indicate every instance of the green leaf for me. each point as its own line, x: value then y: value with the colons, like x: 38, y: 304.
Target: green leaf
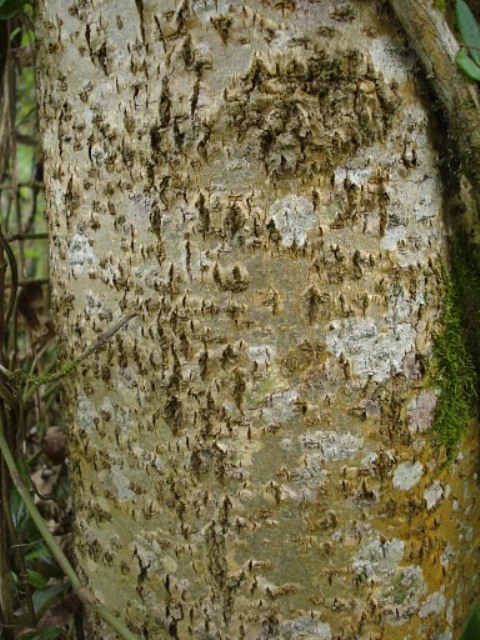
x: 36, y: 580
x: 22, y: 519
x: 45, y: 566
x: 19, y: 510
x: 44, y: 634
x: 467, y: 65
x: 469, y: 29
x: 8, y: 8
x: 35, y: 551
x: 46, y: 597
x: 471, y: 630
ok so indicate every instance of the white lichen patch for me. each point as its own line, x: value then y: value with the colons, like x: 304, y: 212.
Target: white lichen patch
x: 446, y: 556
x: 420, y: 410
x: 379, y: 558
x: 392, y: 237
x: 407, y: 475
x: 294, y: 217
x: 151, y: 277
x: 403, y: 592
x: 87, y: 416
x: 306, y: 628
x: 450, y: 611
x: 138, y: 210
x: 374, y: 354
x: 332, y: 445
x: 122, y: 485
x: 279, y: 407
x: 434, y: 604
x: 81, y: 256
x: 148, y: 552
x: 311, y: 474
x: 126, y: 377
x: 433, y: 494
x: 387, y: 59
x: 357, y: 172
x: 261, y: 353
x: 147, y: 457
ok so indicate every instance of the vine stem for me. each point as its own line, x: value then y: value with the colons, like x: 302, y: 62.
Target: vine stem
x: 9, y: 396
x: 79, y: 589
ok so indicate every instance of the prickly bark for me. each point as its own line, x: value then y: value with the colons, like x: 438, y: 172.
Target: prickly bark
x: 251, y: 456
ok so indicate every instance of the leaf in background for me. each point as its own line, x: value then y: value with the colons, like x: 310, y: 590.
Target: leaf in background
x: 467, y: 65
x: 471, y: 631
x: 8, y: 8
x: 53, y: 444
x: 469, y: 29
x: 45, y: 565
x: 35, y: 551
x: 36, y: 580
x: 43, y: 634
x: 30, y: 304
x: 19, y: 510
x: 22, y: 520
x: 64, y: 490
x: 46, y: 597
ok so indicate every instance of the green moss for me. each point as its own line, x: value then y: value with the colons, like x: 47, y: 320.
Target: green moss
x: 456, y: 355
x: 441, y: 5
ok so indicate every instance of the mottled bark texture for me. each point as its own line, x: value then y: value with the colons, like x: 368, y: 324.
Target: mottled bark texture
x: 251, y: 456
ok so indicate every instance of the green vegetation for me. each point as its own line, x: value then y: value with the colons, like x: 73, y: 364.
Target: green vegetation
x: 471, y: 631
x: 455, y: 355
x: 9, y: 8
x: 468, y: 57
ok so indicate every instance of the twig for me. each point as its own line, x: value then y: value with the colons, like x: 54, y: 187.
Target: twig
x: 24, y: 283
x: 68, y: 367
x: 8, y: 186
x: 105, y: 336
x: 27, y: 236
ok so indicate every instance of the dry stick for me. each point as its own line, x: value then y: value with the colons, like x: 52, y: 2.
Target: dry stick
x: 430, y: 37
x: 80, y: 590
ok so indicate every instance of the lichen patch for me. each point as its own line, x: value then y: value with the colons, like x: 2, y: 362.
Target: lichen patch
x: 122, y: 485
x: 87, y: 415
x: 379, y: 558
x: 81, y: 256
x: 433, y: 494
x: 306, y: 628
x: 407, y: 475
x: 293, y: 216
x: 434, y: 604
x: 373, y: 353
x: 420, y: 410
x: 332, y: 445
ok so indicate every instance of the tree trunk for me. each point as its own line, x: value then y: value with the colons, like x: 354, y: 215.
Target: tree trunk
x: 252, y: 455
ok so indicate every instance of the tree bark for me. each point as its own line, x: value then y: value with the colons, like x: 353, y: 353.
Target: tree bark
x: 251, y: 456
